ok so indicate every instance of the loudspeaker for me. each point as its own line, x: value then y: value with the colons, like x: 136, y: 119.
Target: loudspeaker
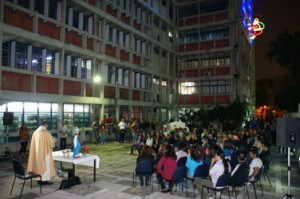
x: 288, y: 132
x: 8, y: 118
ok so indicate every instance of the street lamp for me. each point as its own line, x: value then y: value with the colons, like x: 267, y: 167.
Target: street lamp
x: 97, y: 79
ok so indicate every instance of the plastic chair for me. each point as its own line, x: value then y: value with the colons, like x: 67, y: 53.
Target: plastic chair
x: 222, y: 184
x: 143, y: 169
x: 241, y: 181
x: 21, y: 174
x: 179, y: 176
x: 257, y: 180
x: 200, y: 172
x: 181, y: 162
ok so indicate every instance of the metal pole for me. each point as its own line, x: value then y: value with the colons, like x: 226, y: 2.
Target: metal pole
x: 289, y: 195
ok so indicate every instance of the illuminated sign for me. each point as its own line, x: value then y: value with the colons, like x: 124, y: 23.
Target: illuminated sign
x: 257, y: 28
x: 247, y: 20
x: 252, y: 27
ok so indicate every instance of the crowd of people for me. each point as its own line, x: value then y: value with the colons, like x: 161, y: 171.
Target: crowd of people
x: 221, y: 149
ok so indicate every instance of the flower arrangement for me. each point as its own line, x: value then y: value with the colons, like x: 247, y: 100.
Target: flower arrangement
x: 85, y: 149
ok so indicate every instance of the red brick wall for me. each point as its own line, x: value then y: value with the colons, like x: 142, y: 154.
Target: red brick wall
x: 72, y: 88
x: 73, y: 38
x: 191, y: 73
x: 136, y: 60
x: 221, y: 16
x: 137, y: 26
x: 124, y: 93
x: 48, y: 29
x: 46, y: 85
x: 125, y: 19
x: 109, y: 50
x: 192, y: 47
x: 88, y: 90
x: 109, y: 92
x: 223, y: 70
x: 92, y: 2
x: 110, y: 11
x: 191, y: 21
x: 15, y: 81
x: 192, y: 99
x: 206, y: 18
x: 181, y: 99
x: 17, y: 18
x: 222, y: 99
x: 207, y: 100
x: 135, y: 95
x: 207, y: 45
x: 124, y: 56
x: 222, y: 43
x: 90, y: 44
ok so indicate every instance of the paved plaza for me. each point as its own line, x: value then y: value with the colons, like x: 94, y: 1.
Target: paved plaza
x: 114, y: 179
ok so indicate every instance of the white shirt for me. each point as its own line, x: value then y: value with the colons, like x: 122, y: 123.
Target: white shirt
x: 217, y: 170
x: 63, y: 129
x: 122, y: 125
x: 256, y: 162
x: 149, y: 142
x: 180, y: 154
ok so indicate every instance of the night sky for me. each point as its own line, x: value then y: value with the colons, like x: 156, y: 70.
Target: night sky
x: 276, y: 15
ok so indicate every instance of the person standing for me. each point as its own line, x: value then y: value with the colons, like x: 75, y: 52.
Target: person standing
x: 96, y: 130
x: 24, y: 137
x: 122, y: 128
x: 102, y: 130
x: 63, y: 134
x: 40, y: 155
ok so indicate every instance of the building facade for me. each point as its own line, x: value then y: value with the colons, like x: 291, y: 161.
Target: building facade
x: 53, y: 50
x: 153, y: 57
x: 215, y: 54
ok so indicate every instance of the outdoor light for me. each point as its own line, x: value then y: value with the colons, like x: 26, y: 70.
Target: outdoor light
x: 97, y: 79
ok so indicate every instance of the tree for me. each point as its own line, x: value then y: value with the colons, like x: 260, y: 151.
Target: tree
x: 286, y: 51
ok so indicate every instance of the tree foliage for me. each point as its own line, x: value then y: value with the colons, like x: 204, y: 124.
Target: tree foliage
x: 234, y: 112
x: 286, y: 51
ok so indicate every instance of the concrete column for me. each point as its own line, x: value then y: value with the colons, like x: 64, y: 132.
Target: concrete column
x: 61, y: 71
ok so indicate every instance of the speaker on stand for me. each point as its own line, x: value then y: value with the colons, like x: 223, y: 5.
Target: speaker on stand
x: 288, y: 135
x: 7, y: 121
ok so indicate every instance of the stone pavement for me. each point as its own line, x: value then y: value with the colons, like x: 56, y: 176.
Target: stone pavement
x: 114, y: 180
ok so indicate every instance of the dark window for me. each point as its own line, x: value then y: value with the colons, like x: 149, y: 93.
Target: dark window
x: 36, y: 62
x: 6, y: 53
x: 213, y: 6
x: 188, y: 10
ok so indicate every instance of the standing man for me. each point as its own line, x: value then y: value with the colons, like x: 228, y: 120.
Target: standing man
x: 122, y: 128
x: 63, y: 130
x: 40, y: 155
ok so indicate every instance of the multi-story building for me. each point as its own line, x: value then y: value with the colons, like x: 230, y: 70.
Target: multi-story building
x: 216, y: 56
x: 54, y: 52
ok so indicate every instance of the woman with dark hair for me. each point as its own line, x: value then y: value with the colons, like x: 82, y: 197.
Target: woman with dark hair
x: 193, y: 161
x: 219, y: 167
x: 146, y: 155
x: 166, y: 167
x: 24, y: 137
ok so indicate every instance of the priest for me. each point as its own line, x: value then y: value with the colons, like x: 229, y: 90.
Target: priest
x: 40, y: 155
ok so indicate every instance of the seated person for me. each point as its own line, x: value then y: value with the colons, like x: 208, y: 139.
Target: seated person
x: 193, y: 161
x: 139, y: 143
x: 219, y: 167
x: 255, y: 164
x: 240, y: 168
x: 146, y: 155
x: 166, y: 167
x: 265, y: 156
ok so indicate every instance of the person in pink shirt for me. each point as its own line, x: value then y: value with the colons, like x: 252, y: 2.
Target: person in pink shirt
x: 166, y: 167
